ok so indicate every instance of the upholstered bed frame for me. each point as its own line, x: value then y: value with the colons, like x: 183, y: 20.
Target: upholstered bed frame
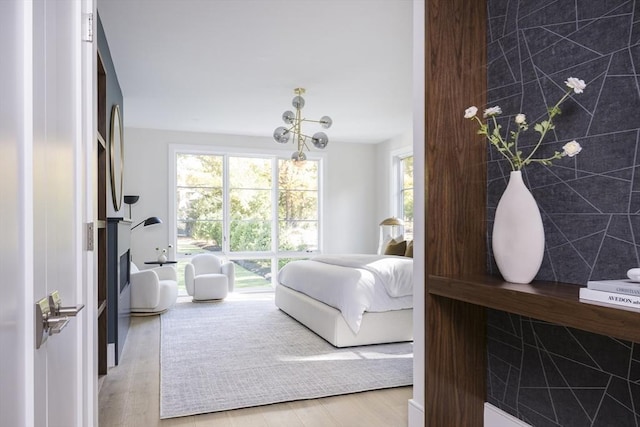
x: 326, y: 321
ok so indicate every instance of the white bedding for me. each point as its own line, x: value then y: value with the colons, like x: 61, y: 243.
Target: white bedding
x: 353, y: 284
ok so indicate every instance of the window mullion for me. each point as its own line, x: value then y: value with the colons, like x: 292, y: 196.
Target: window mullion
x: 275, y: 192
x: 226, y: 245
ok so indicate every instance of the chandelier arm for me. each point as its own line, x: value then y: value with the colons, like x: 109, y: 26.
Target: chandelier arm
x: 305, y: 136
x: 309, y: 120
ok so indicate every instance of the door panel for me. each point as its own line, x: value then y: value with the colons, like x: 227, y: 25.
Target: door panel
x: 46, y: 135
x: 16, y: 349
x: 58, y: 180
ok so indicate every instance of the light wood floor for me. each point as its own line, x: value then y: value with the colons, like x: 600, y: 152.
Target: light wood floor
x: 130, y: 396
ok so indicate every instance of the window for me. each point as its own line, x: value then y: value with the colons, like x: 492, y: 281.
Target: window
x: 250, y: 204
x: 256, y: 210
x: 405, y: 208
x: 199, y: 203
x: 298, y: 206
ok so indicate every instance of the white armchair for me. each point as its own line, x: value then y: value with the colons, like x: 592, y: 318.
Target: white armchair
x: 153, y: 291
x: 209, y: 277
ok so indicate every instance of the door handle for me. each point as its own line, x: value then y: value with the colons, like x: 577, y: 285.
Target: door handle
x: 51, y: 317
x: 56, y: 324
x: 55, y: 303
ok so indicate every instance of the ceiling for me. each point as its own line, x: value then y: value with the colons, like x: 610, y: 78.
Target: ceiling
x: 230, y: 66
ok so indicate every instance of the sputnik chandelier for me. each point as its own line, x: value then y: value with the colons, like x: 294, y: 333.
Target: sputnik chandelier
x: 283, y: 134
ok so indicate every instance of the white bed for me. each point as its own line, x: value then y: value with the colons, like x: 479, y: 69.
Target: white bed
x: 350, y: 300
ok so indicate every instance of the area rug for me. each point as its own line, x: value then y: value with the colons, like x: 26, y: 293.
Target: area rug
x: 244, y: 352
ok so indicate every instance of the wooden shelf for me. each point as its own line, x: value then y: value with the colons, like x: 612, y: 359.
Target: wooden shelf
x: 549, y: 301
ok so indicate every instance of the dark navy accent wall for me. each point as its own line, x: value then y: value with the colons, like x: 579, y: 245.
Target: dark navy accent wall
x: 117, y: 321
x: 114, y: 92
x: 545, y: 374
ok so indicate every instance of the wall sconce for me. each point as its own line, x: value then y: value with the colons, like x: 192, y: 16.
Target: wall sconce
x: 149, y: 221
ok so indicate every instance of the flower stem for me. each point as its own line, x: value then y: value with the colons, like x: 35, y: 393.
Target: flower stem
x: 552, y: 112
x: 505, y: 146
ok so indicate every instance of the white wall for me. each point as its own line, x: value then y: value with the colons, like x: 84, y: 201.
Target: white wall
x: 349, y: 210
x: 417, y: 403
x: 385, y: 151
x: 350, y: 222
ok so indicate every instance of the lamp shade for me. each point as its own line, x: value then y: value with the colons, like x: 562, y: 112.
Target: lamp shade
x: 392, y: 221
x: 149, y: 221
x: 129, y: 200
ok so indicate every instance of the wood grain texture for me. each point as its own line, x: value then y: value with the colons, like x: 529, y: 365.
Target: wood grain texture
x: 456, y: 373
x: 558, y: 303
x: 455, y: 78
x: 455, y: 209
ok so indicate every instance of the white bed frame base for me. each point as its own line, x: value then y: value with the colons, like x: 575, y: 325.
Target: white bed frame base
x: 326, y: 321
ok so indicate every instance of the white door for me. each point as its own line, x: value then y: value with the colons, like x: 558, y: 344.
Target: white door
x: 46, y: 122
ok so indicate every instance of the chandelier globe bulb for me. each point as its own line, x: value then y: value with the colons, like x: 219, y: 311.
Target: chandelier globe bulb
x: 320, y: 140
x: 281, y: 135
x: 298, y: 156
x: 326, y: 122
x: 288, y: 117
x: 298, y: 102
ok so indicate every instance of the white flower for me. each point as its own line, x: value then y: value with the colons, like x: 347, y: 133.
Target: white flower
x: 470, y: 112
x: 493, y: 111
x: 576, y: 84
x: 571, y: 148
x: 507, y: 144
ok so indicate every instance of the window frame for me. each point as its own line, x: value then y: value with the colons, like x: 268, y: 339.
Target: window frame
x: 226, y: 152
x: 397, y: 189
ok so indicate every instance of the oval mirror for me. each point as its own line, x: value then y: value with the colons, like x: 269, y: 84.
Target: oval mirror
x: 116, y: 152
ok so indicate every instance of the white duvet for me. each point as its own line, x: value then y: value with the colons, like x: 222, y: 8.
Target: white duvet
x: 352, y: 283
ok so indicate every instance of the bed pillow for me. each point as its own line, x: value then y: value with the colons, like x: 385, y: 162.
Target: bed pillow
x: 396, y: 248
x: 409, y: 251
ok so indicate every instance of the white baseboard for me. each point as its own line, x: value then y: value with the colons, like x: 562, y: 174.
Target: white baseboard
x: 494, y: 417
x: 416, y: 414
x: 111, y: 355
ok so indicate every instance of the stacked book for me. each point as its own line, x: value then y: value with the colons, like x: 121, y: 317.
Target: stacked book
x: 621, y: 292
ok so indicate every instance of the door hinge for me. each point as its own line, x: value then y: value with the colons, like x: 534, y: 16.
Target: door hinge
x: 87, y: 27
x: 89, y: 239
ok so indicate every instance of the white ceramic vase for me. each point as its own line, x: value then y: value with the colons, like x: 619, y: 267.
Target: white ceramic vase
x: 162, y: 258
x: 518, y: 233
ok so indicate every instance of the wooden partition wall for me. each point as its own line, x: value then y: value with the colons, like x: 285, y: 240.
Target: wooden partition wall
x: 455, y: 211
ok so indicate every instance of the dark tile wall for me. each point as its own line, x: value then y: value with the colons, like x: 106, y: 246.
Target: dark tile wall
x: 545, y: 374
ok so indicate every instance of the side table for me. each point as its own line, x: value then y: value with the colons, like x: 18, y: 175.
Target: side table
x: 160, y: 263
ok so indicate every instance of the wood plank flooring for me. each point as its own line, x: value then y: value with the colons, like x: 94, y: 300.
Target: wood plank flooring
x: 130, y: 396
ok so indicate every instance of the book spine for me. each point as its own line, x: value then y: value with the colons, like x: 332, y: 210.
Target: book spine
x: 610, y: 298
x: 612, y: 287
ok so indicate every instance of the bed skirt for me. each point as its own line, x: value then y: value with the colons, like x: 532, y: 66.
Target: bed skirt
x: 326, y: 321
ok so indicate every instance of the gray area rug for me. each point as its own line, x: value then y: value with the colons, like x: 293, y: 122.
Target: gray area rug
x: 246, y: 352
